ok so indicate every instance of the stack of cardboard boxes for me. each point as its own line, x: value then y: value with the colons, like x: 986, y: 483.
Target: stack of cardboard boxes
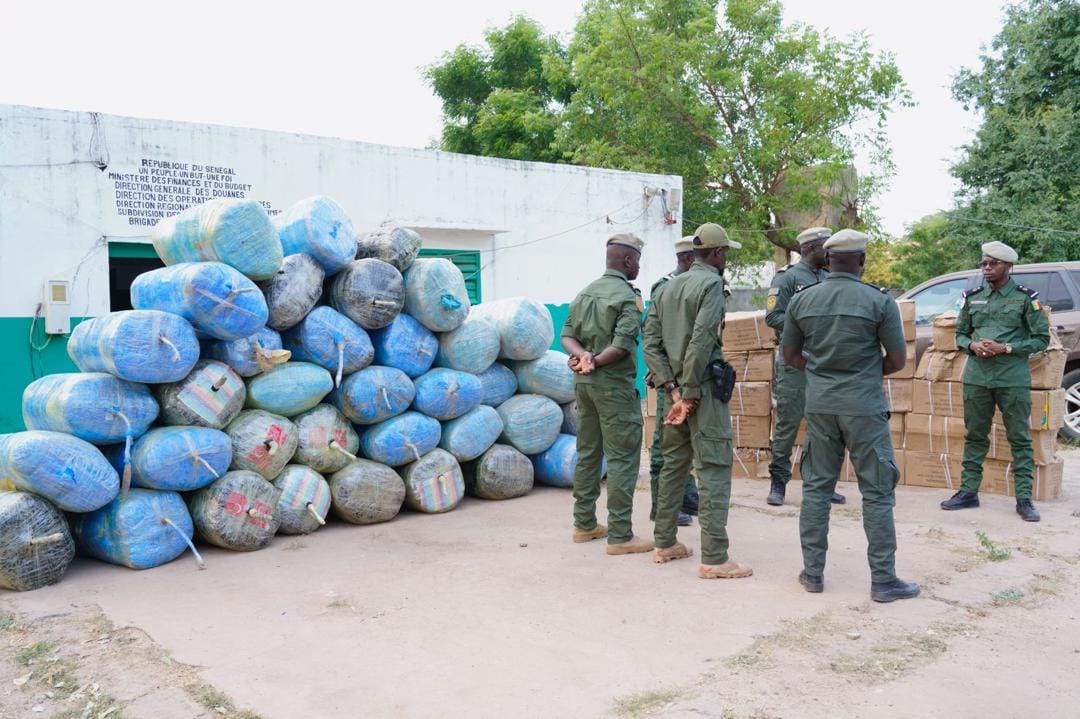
x: 750, y: 347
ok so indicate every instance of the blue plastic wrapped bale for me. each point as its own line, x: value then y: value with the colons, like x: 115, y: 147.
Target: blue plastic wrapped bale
x: 251, y: 355
x: 137, y: 345
x: 216, y: 299
x: 262, y: 442
x: 293, y: 291
x: 143, y: 529
x: 555, y: 466
x: 93, y: 406
x: 402, y: 439
x: 499, y: 383
x: 180, y: 459
x: 472, y: 347
x: 366, y: 492
x: 548, y: 375
x: 433, y: 483
x: 331, y: 340
x: 531, y: 422
x: 445, y: 393
x: 289, y: 389
x: 318, y: 227
x: 328, y: 441
x: 502, y: 472
x: 35, y: 544
x: 471, y: 434
x: 304, y: 502
x: 374, y: 394
x: 406, y: 345
x: 69, y: 472
x: 211, y: 396
x: 398, y: 246
x: 238, y: 511
x: 236, y: 232
x: 435, y: 294
x: 369, y: 292
x: 569, y: 423
x: 524, y: 326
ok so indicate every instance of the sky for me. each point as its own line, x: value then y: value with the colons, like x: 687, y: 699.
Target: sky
x: 355, y: 70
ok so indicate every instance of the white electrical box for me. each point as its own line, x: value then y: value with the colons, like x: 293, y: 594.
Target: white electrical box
x: 57, y: 307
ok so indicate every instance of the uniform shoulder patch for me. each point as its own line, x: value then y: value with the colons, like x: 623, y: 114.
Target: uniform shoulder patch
x: 973, y: 290
x: 1033, y: 295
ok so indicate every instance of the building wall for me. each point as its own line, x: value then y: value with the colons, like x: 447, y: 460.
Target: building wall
x: 72, y: 183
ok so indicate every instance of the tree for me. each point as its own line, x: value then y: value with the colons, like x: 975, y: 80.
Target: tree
x: 1022, y: 171
x: 932, y: 247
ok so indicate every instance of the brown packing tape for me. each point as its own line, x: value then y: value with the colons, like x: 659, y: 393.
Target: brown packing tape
x: 941, y: 366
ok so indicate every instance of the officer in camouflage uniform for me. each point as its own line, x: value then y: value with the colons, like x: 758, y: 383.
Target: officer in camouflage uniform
x: 601, y: 336
x: 791, y: 382
x: 684, y: 257
x: 1000, y: 324
x: 682, y: 342
x: 836, y: 330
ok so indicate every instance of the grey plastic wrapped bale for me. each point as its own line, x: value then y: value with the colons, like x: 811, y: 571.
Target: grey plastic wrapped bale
x: 472, y: 347
x: 569, y: 424
x: 304, y: 500
x: 524, y: 326
x: 319, y: 227
x: 293, y: 291
x: 289, y: 389
x: 434, y: 483
x: 548, y: 375
x: 328, y: 441
x: 262, y: 442
x: 502, y: 472
x: 366, y: 492
x: 211, y: 396
x: 35, y: 543
x: 531, y: 422
x: 435, y: 294
x: 499, y: 383
x: 238, y: 511
x: 470, y: 435
x: 369, y: 292
x: 398, y: 246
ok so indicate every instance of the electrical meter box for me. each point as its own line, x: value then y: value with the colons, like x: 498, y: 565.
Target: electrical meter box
x: 57, y: 306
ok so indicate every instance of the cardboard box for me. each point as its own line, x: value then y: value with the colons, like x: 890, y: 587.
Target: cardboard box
x: 934, y: 434
x: 940, y: 398
x: 907, y: 317
x: 751, y: 398
x: 944, y: 336
x: 926, y: 469
x: 751, y: 431
x: 650, y: 402
x: 909, y: 367
x: 1043, y: 444
x: 647, y: 433
x: 1047, y: 368
x: 998, y: 478
x: 751, y: 463
x: 757, y: 366
x: 942, y: 366
x: 1047, y: 409
x: 747, y: 331
x: 898, y: 394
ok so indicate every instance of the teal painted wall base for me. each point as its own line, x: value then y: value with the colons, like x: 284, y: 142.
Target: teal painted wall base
x: 558, y: 318
x: 20, y: 364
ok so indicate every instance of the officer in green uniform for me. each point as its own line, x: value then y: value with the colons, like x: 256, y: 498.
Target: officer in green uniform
x: 682, y: 346
x: 836, y: 330
x: 684, y: 257
x: 601, y: 335
x: 1000, y: 324
x: 791, y: 382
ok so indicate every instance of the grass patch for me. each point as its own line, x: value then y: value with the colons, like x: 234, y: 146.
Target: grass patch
x: 793, y: 635
x: 1049, y: 584
x: 638, y: 705
x: 339, y: 604
x: 219, y: 703
x: 295, y: 546
x: 26, y: 656
x: 848, y: 511
x: 1006, y: 596
x: 893, y: 658
x: 993, y: 552
x: 7, y: 621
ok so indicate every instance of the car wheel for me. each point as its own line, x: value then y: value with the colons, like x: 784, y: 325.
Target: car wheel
x: 1071, y: 383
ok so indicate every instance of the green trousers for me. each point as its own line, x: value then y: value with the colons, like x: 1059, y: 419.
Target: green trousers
x: 609, y: 425
x: 790, y: 408
x: 690, y: 499
x: 869, y: 444
x: 1015, y: 405
x: 704, y: 440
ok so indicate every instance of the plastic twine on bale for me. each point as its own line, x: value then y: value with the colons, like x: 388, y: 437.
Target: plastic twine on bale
x: 315, y: 513
x: 208, y: 466
x: 339, y: 342
x: 125, y: 483
x: 335, y: 446
x: 384, y: 303
x: 386, y: 399
x: 166, y: 341
x: 450, y: 302
x: 47, y: 539
x: 187, y: 540
x: 256, y: 514
x: 415, y: 451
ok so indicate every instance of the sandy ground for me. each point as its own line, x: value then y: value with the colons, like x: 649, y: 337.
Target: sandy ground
x: 490, y: 610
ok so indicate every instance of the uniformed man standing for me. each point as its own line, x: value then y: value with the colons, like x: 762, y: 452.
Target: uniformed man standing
x: 683, y: 351
x: 601, y: 335
x: 1000, y: 324
x: 836, y: 330
x: 791, y: 382
x: 684, y: 257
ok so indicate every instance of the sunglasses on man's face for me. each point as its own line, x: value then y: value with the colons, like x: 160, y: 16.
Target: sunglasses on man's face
x: 990, y: 263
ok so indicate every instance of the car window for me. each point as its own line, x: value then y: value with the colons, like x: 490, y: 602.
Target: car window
x: 942, y: 297
x: 1076, y: 278
x: 1033, y: 281
x: 1057, y: 296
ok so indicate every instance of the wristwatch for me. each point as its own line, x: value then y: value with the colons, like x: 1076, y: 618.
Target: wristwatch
x: 1008, y: 349
x: 671, y: 386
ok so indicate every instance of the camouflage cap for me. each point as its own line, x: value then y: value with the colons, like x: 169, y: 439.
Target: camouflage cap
x: 1000, y: 251
x: 686, y: 244
x: 813, y: 233
x: 627, y: 239
x: 711, y: 235
x: 847, y: 241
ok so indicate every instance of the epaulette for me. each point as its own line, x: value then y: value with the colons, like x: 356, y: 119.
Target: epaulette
x: 973, y: 290
x: 882, y: 290
x: 804, y: 288
x: 783, y: 269
x: 727, y: 291
x: 1029, y: 292
x: 636, y: 290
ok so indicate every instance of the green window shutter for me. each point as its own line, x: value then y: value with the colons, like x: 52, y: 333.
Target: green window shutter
x: 468, y: 261
x: 132, y: 250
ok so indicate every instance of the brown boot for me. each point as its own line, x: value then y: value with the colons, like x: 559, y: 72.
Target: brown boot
x: 675, y: 551
x: 727, y: 570
x: 636, y: 545
x: 587, y: 535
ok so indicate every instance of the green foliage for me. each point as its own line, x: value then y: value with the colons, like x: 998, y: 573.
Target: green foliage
x: 993, y: 552
x: 933, y: 246
x: 880, y: 267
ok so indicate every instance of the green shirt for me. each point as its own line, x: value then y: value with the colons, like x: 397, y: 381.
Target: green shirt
x: 1011, y: 315
x: 682, y: 329
x: 785, y: 284
x: 842, y: 324
x: 606, y: 314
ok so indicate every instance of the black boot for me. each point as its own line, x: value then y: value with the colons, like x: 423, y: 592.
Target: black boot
x: 776, y: 493
x: 961, y: 500
x: 685, y: 520
x: 814, y: 585
x: 838, y: 498
x: 891, y: 591
x: 1027, y: 510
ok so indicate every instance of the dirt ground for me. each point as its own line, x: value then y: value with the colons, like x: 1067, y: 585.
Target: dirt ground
x: 490, y: 611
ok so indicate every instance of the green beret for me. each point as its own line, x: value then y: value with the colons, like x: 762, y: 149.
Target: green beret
x: 1000, y: 251
x: 813, y: 233
x: 847, y: 241
x: 627, y: 240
